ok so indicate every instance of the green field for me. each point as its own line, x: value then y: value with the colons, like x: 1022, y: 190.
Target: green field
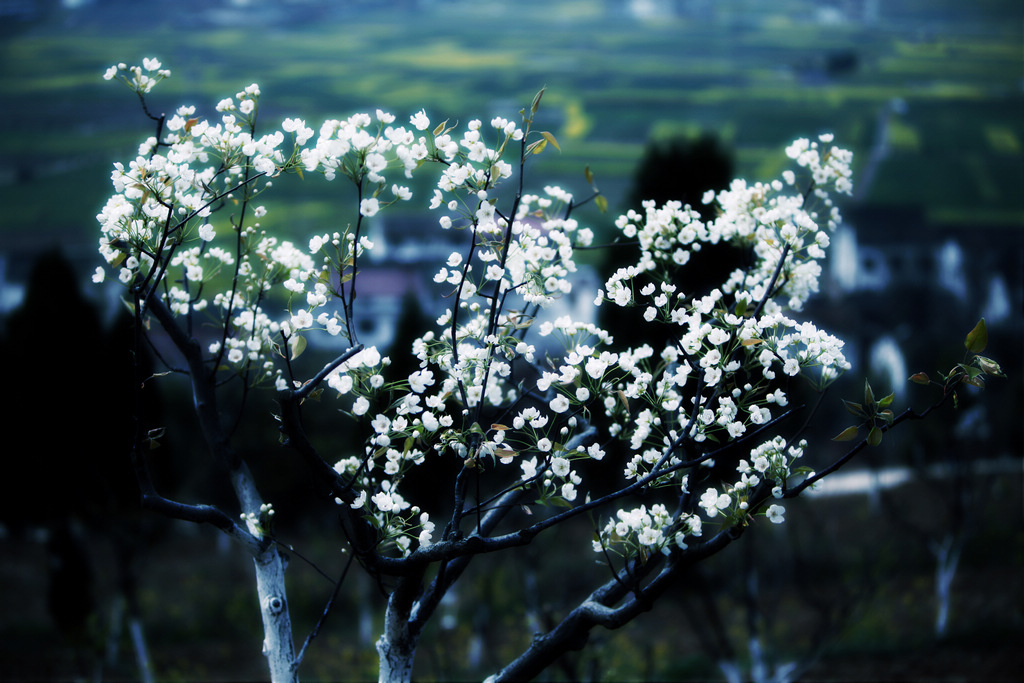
x: 755, y: 77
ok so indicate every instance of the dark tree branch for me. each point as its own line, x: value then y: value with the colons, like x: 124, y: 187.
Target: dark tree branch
x: 599, y: 608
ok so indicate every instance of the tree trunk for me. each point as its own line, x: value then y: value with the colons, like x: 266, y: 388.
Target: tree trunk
x: 278, y: 647
x: 397, y: 645
x: 277, y: 625
x: 397, y: 648
x: 947, y: 558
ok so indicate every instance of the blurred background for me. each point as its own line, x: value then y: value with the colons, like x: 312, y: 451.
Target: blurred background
x: 908, y: 568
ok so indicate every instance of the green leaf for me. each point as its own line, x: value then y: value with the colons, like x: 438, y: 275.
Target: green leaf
x: 977, y: 339
x: 989, y: 366
x: 887, y: 401
x: 602, y: 203
x: 537, y: 147
x: 869, y: 396
x: 536, y: 101
x: 440, y: 128
x: 888, y: 416
x: 550, y: 138
x: 875, y: 436
x: 971, y: 371
x: 855, y: 409
x: 848, y: 434
x: 297, y: 345
x: 920, y: 378
x: 589, y: 175
x: 975, y: 382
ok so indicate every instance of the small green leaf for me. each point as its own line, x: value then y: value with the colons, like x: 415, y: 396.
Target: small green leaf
x: 855, y: 409
x: 975, y: 382
x: 537, y: 147
x: 589, y: 175
x: 440, y: 128
x: 297, y: 345
x: 887, y: 401
x: 977, y: 339
x: 989, y: 366
x: 875, y: 436
x: 869, y: 396
x: 888, y: 416
x: 602, y: 203
x: 536, y: 101
x: 920, y: 378
x: 551, y: 138
x: 848, y: 434
x: 971, y: 371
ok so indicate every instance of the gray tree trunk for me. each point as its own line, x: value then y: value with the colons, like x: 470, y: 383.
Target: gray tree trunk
x: 278, y: 646
x: 397, y: 649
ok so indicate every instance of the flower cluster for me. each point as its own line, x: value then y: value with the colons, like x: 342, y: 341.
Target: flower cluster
x: 641, y: 531
x: 664, y: 413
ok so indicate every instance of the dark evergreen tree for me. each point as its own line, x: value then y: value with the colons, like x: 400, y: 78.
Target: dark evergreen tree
x: 681, y: 170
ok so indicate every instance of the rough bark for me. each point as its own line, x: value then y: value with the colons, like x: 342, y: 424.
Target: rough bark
x: 397, y: 645
x: 277, y: 627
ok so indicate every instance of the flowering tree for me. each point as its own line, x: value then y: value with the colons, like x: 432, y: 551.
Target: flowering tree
x: 523, y: 425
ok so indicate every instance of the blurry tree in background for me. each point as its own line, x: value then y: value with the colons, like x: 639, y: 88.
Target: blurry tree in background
x: 682, y: 169
x: 676, y: 170
x: 502, y: 424
x: 68, y: 477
